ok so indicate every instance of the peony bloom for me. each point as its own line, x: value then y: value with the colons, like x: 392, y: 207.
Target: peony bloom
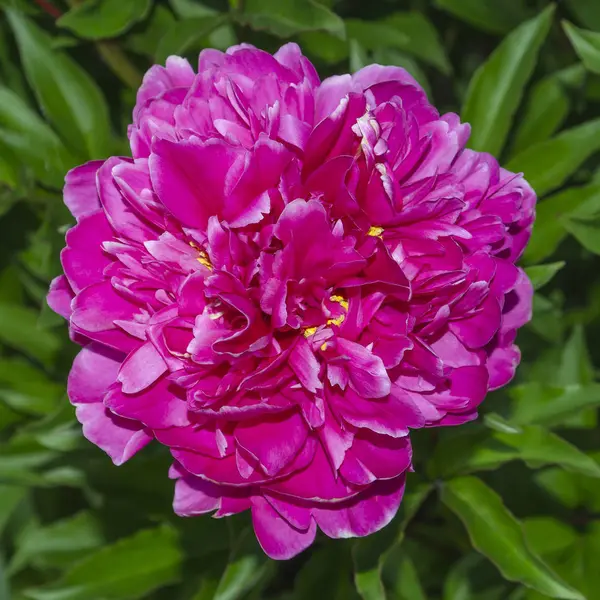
x: 285, y: 278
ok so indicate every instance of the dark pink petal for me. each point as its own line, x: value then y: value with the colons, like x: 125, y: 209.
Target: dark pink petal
x: 94, y: 370
x: 98, y: 306
x: 365, y: 515
x: 157, y: 406
x: 317, y: 483
x: 305, y: 365
x: 122, y: 218
x: 367, y: 374
x: 193, y: 497
x: 119, y: 438
x: 175, y: 167
x: 60, y: 296
x: 276, y: 536
x: 141, y: 369
x: 83, y: 259
x: 80, y: 193
x: 297, y: 516
x: 274, y: 441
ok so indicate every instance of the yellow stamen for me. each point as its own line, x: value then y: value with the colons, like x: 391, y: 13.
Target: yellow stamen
x: 309, y: 331
x: 323, y: 347
x: 204, y: 260
x: 341, y: 301
x: 344, y: 304
x: 202, y: 256
x: 375, y: 231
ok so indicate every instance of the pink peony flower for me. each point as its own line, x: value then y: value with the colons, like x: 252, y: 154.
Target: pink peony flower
x: 285, y: 278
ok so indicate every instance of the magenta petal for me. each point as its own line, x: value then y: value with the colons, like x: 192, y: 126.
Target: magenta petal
x: 276, y: 536
x: 306, y: 366
x: 94, y: 370
x: 98, y: 306
x: 156, y: 406
x: 60, y: 296
x: 119, y: 438
x: 141, y: 368
x: 368, y: 376
x: 298, y: 517
x: 83, y: 259
x: 274, y: 441
x: 80, y: 194
x: 193, y: 497
x: 367, y: 514
x: 175, y: 167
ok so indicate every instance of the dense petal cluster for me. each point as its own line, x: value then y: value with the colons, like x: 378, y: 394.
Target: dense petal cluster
x: 285, y: 278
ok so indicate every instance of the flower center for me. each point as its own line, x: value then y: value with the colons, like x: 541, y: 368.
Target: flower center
x: 202, y: 257
x: 375, y: 231
x: 309, y: 331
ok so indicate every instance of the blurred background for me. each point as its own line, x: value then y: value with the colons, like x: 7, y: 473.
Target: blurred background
x: 505, y: 508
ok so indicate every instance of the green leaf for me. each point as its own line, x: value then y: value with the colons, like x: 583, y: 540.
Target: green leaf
x: 586, y: 44
x: 244, y: 570
x: 496, y: 533
x: 587, y: 13
x: 488, y: 15
x: 32, y: 141
x: 549, y: 164
x: 571, y: 489
x: 182, y: 35
x: 325, y: 46
x: 586, y: 230
x: 547, y: 107
x: 191, y: 9
x: 546, y: 535
x: 551, y: 405
x: 496, y: 89
x: 289, y: 18
x: 547, y: 321
x: 147, y: 41
x: 19, y: 329
x: 480, y: 450
x: 358, y: 57
x: 27, y: 389
x: 408, y: 586
x: 457, y: 585
x: 540, y: 275
x: 326, y: 575
x: 576, y: 367
x: 58, y: 544
x: 549, y: 228
x: 10, y: 497
x: 369, y: 554
x: 129, y: 569
x: 68, y: 96
x: 410, y: 32
x: 98, y: 19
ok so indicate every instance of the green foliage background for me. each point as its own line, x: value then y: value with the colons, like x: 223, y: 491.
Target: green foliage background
x: 505, y: 508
